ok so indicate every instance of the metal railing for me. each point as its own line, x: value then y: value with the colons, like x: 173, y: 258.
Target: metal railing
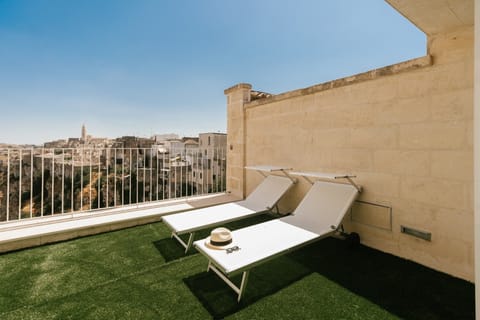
x: 40, y: 182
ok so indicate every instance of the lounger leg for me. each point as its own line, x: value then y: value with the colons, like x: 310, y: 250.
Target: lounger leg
x: 187, y: 245
x: 243, y: 284
x: 276, y: 209
x: 239, y: 290
x: 190, y: 241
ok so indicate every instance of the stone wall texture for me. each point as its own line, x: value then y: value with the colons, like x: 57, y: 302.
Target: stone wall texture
x: 406, y: 131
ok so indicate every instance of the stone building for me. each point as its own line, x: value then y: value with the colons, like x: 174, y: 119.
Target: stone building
x: 84, y: 134
x: 209, y: 166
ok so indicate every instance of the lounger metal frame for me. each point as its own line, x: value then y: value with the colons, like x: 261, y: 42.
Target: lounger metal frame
x: 187, y: 245
x: 261, y: 170
x: 245, y: 271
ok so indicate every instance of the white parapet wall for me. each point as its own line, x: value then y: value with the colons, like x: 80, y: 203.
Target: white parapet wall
x: 34, y: 232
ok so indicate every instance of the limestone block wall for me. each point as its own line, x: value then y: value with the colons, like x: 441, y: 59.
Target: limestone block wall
x: 237, y: 96
x: 405, y: 130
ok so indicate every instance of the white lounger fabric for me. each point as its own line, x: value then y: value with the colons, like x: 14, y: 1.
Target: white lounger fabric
x: 267, y: 193
x: 201, y: 218
x: 323, y: 207
x: 257, y: 243
x: 318, y: 215
x: 262, y: 199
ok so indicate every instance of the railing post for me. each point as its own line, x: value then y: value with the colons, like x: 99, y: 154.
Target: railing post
x: 144, y: 172
x: 108, y: 178
x: 115, y: 177
x: 53, y: 181
x: 81, y: 178
x: 63, y: 179
x: 136, y: 178
x: 150, y: 189
x: 163, y: 174
x: 90, y: 179
x: 20, y: 184
x: 130, y: 179
x: 156, y: 191
x: 72, y: 209
x: 8, y: 184
x: 123, y: 176
x: 99, y: 180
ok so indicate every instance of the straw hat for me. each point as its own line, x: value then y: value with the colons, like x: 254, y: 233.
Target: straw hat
x: 219, y: 239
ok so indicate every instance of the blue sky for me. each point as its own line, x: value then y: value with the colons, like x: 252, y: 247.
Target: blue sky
x: 158, y: 66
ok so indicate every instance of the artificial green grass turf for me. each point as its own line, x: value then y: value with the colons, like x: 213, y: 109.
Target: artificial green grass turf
x: 314, y: 297
x: 124, y: 275
x: 114, y: 275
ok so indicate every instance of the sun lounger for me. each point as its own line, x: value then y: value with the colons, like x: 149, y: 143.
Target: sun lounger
x: 263, y: 199
x: 319, y: 215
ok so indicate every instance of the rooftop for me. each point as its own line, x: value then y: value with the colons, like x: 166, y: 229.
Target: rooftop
x: 141, y: 273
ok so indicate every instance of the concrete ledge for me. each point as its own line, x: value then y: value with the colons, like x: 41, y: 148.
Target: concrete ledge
x: 238, y: 86
x: 405, y: 66
x: 35, y: 232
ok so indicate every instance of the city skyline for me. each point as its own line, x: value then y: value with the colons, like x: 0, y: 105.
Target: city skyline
x: 85, y: 135
x: 149, y: 67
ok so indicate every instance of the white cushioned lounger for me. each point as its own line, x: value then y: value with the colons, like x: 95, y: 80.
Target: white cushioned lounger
x: 319, y: 215
x: 263, y: 199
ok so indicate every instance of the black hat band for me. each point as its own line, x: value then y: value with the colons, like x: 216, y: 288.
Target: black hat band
x: 220, y: 243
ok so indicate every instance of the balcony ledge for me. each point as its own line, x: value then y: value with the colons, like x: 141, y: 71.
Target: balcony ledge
x: 38, y: 231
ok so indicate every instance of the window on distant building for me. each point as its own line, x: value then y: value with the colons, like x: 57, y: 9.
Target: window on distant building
x: 200, y: 175
x: 208, y: 140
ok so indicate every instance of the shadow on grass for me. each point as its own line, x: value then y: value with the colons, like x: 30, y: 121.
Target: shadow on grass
x: 220, y: 301
x: 402, y: 287
x: 171, y: 249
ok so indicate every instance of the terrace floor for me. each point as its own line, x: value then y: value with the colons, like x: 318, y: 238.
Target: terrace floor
x: 141, y: 273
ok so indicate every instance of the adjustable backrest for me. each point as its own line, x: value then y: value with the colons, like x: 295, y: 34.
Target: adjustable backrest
x: 267, y: 193
x: 323, y: 207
